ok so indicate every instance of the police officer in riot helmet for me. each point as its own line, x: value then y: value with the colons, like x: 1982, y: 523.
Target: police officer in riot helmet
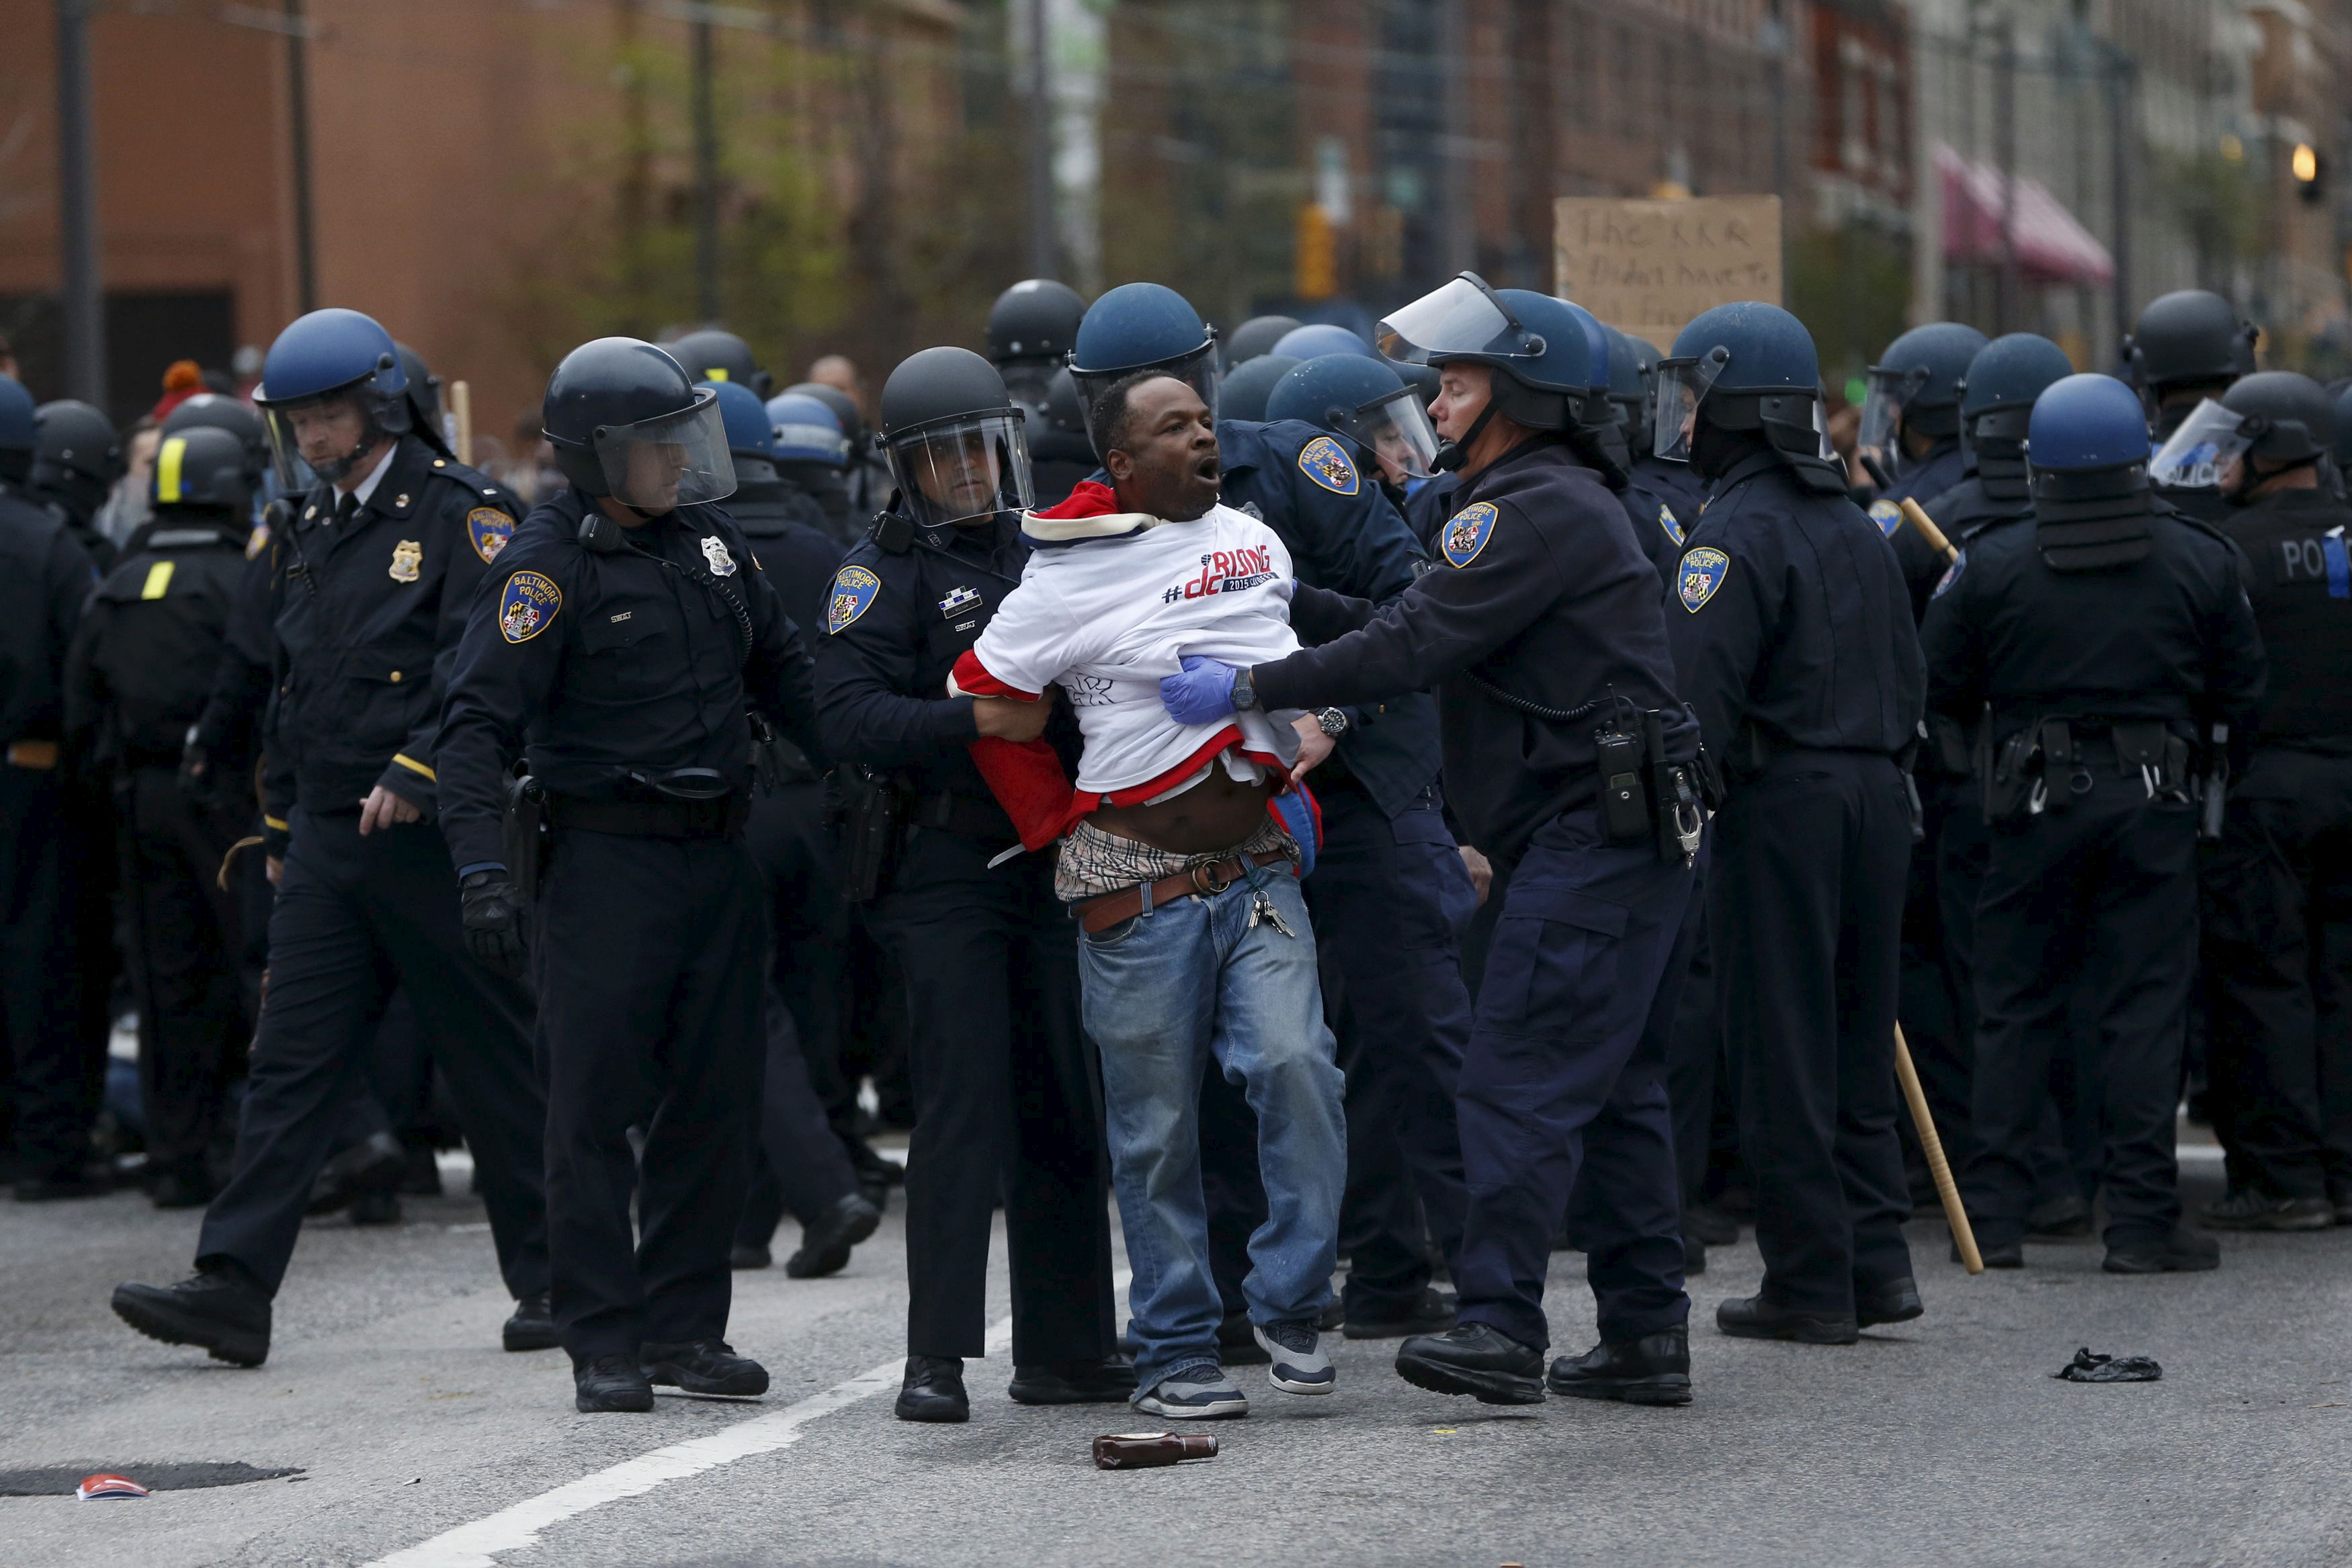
x: 138, y: 676
x: 2187, y: 348
x: 628, y: 631
x: 713, y: 354
x: 425, y: 406
x: 1255, y: 338
x: 1061, y: 454
x: 217, y: 411
x: 1794, y: 645
x: 1362, y: 398
x: 1247, y: 389
x: 2276, y: 967
x: 1542, y: 629
x: 866, y: 477
x: 1030, y: 329
x: 811, y: 454
x: 2100, y: 640
x: 1911, y: 416
x: 1006, y: 1102
x: 369, y: 583
x: 77, y: 463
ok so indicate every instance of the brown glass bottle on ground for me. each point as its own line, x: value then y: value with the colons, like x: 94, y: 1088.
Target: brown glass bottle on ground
x: 1144, y: 1451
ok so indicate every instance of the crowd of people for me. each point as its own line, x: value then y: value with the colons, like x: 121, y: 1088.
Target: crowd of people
x: 1426, y: 802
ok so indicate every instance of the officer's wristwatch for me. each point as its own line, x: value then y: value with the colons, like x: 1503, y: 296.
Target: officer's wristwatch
x: 1334, y: 722
x: 1245, y: 693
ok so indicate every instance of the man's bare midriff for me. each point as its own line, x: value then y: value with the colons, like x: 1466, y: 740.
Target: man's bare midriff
x: 1217, y: 813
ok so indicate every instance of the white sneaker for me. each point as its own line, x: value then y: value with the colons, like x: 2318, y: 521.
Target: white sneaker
x: 1198, y: 1392
x: 1300, y: 1364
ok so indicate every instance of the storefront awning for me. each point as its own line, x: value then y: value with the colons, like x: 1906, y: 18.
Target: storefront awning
x: 2052, y: 246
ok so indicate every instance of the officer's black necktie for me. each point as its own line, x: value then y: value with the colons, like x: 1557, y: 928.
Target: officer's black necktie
x: 346, y: 509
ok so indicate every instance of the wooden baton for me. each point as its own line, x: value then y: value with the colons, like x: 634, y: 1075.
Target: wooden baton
x: 1916, y: 514
x: 1933, y: 1147
x: 461, y: 409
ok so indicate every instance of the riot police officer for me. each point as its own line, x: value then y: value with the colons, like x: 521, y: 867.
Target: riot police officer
x: 810, y: 455
x: 1948, y: 867
x: 2278, y: 883
x: 1661, y: 496
x: 1544, y: 634
x: 368, y: 589
x: 715, y: 354
x: 1911, y: 430
x: 45, y: 574
x: 798, y: 1164
x: 1255, y: 338
x: 139, y: 675
x: 2187, y: 347
x: 1061, y: 454
x: 79, y: 461
x: 2101, y: 635
x: 866, y: 477
x: 1030, y: 329
x: 1389, y: 870
x: 1005, y: 1086
x: 628, y: 627
x: 1244, y: 392
x: 1363, y: 400
x: 1794, y: 645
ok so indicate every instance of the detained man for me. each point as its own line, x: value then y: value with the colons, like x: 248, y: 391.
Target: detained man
x: 1181, y: 849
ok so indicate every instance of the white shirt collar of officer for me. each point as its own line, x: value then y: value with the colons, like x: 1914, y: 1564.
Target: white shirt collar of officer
x: 366, y: 488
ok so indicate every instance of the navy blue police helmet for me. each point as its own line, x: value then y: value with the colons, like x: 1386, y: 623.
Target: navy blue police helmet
x: 218, y: 411
x: 330, y: 351
x: 1248, y: 386
x: 2187, y: 337
x: 2088, y: 426
x: 714, y: 354
x: 1256, y: 336
x: 612, y: 395
x: 1629, y: 386
x: 2011, y: 372
x: 19, y: 434
x: 750, y: 432
x: 2290, y: 418
x: 77, y: 442
x: 1037, y: 319
x: 1144, y: 327
x: 1318, y: 339
x: 1746, y: 366
x: 1325, y: 391
x: 807, y: 430
x: 1917, y: 380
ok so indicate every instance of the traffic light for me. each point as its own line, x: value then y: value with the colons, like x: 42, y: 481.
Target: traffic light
x: 2308, y: 171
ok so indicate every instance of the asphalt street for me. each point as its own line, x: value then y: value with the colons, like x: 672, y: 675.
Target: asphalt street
x: 1946, y: 1441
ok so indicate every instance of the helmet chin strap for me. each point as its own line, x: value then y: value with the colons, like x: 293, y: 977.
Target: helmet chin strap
x: 1452, y: 454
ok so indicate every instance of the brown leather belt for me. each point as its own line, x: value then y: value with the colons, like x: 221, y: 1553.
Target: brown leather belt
x: 1102, y: 914
x: 40, y: 756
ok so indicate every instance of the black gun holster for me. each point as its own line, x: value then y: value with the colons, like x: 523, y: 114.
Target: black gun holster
x: 527, y: 838
x: 873, y: 820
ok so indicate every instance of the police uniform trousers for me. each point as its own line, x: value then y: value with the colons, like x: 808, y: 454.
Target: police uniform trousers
x: 1563, y: 1087
x: 1007, y: 1101
x: 1694, y: 1052
x: 651, y: 959
x: 185, y: 938
x: 2087, y: 920
x: 798, y: 1164
x: 356, y: 917
x: 1390, y: 898
x: 39, y: 997
x: 2278, y: 977
x: 1803, y: 918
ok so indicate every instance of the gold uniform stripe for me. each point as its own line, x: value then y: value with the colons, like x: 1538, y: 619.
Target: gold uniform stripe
x: 416, y: 767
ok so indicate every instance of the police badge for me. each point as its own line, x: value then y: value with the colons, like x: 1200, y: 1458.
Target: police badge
x: 407, y: 560
x: 1324, y: 461
x: 714, y: 551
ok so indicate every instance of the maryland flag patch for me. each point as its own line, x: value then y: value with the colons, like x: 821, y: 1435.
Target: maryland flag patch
x: 487, y: 530
x: 853, y: 588
x: 527, y: 606
x: 1325, y: 461
x: 1467, y: 531
x: 1701, y: 573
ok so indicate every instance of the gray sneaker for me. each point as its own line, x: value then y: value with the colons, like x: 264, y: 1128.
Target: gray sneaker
x: 2246, y: 1209
x: 1199, y: 1391
x: 1300, y: 1364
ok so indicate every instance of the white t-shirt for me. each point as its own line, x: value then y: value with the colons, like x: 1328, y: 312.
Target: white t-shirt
x: 1105, y: 617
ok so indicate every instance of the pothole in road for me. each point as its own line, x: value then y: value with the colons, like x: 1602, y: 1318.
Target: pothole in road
x: 59, y: 1480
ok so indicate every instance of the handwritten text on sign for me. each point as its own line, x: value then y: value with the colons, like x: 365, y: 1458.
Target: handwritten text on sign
x: 1648, y: 267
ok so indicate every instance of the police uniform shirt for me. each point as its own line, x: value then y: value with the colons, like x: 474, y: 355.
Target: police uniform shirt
x: 2300, y: 583
x: 45, y: 576
x: 788, y: 532
x: 145, y: 655
x: 1676, y: 483
x: 601, y: 665
x: 2171, y: 636
x: 1945, y: 465
x: 1966, y: 509
x: 1789, y: 614
x: 365, y: 614
x: 1541, y: 594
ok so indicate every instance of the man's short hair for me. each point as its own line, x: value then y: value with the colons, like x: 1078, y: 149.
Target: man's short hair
x: 1107, y: 420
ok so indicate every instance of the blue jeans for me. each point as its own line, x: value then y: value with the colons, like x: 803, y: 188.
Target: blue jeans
x: 1160, y: 993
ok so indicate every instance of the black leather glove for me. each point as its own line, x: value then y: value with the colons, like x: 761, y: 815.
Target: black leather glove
x: 490, y: 909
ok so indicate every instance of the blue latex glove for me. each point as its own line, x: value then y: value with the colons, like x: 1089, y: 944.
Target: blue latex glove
x: 1203, y: 693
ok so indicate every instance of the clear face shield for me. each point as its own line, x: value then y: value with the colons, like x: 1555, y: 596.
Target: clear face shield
x: 964, y: 470
x: 673, y: 460
x: 1462, y: 318
x: 1397, y: 431
x: 2205, y: 452
x: 1881, y: 412
x: 1197, y: 370
x: 1674, y: 417
x: 319, y: 438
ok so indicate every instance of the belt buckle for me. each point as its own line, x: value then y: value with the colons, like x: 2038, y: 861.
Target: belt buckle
x: 1205, y: 879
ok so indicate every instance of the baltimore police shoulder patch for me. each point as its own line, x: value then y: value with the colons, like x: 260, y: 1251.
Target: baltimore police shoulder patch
x: 1325, y: 461
x: 1951, y: 574
x: 1467, y: 531
x: 527, y: 606
x: 853, y: 588
x: 487, y: 530
x: 1887, y: 514
x: 1701, y: 573
x: 1668, y: 523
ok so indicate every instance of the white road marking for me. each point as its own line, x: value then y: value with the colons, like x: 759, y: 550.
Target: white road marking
x: 477, y: 1544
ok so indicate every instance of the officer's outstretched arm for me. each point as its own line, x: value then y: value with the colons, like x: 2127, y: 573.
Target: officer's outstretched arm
x: 864, y: 667
x: 1358, y: 544
x: 506, y: 664
x: 1320, y: 616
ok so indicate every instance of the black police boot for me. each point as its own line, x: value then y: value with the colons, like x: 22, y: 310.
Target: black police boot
x: 703, y: 1366
x: 218, y: 1307
x: 1110, y: 1380
x: 1753, y: 1317
x: 1652, y: 1370
x: 933, y: 1390
x: 1893, y: 1301
x: 2066, y: 1218
x: 2182, y: 1252
x: 1694, y: 1255
x: 1995, y: 1254
x: 610, y: 1382
x: 824, y: 1245
x: 1237, y: 1345
x: 876, y: 1175
x: 743, y: 1255
x: 373, y: 1164
x: 533, y: 1326
x: 1477, y: 1359
x: 1433, y: 1314
x: 2246, y: 1209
